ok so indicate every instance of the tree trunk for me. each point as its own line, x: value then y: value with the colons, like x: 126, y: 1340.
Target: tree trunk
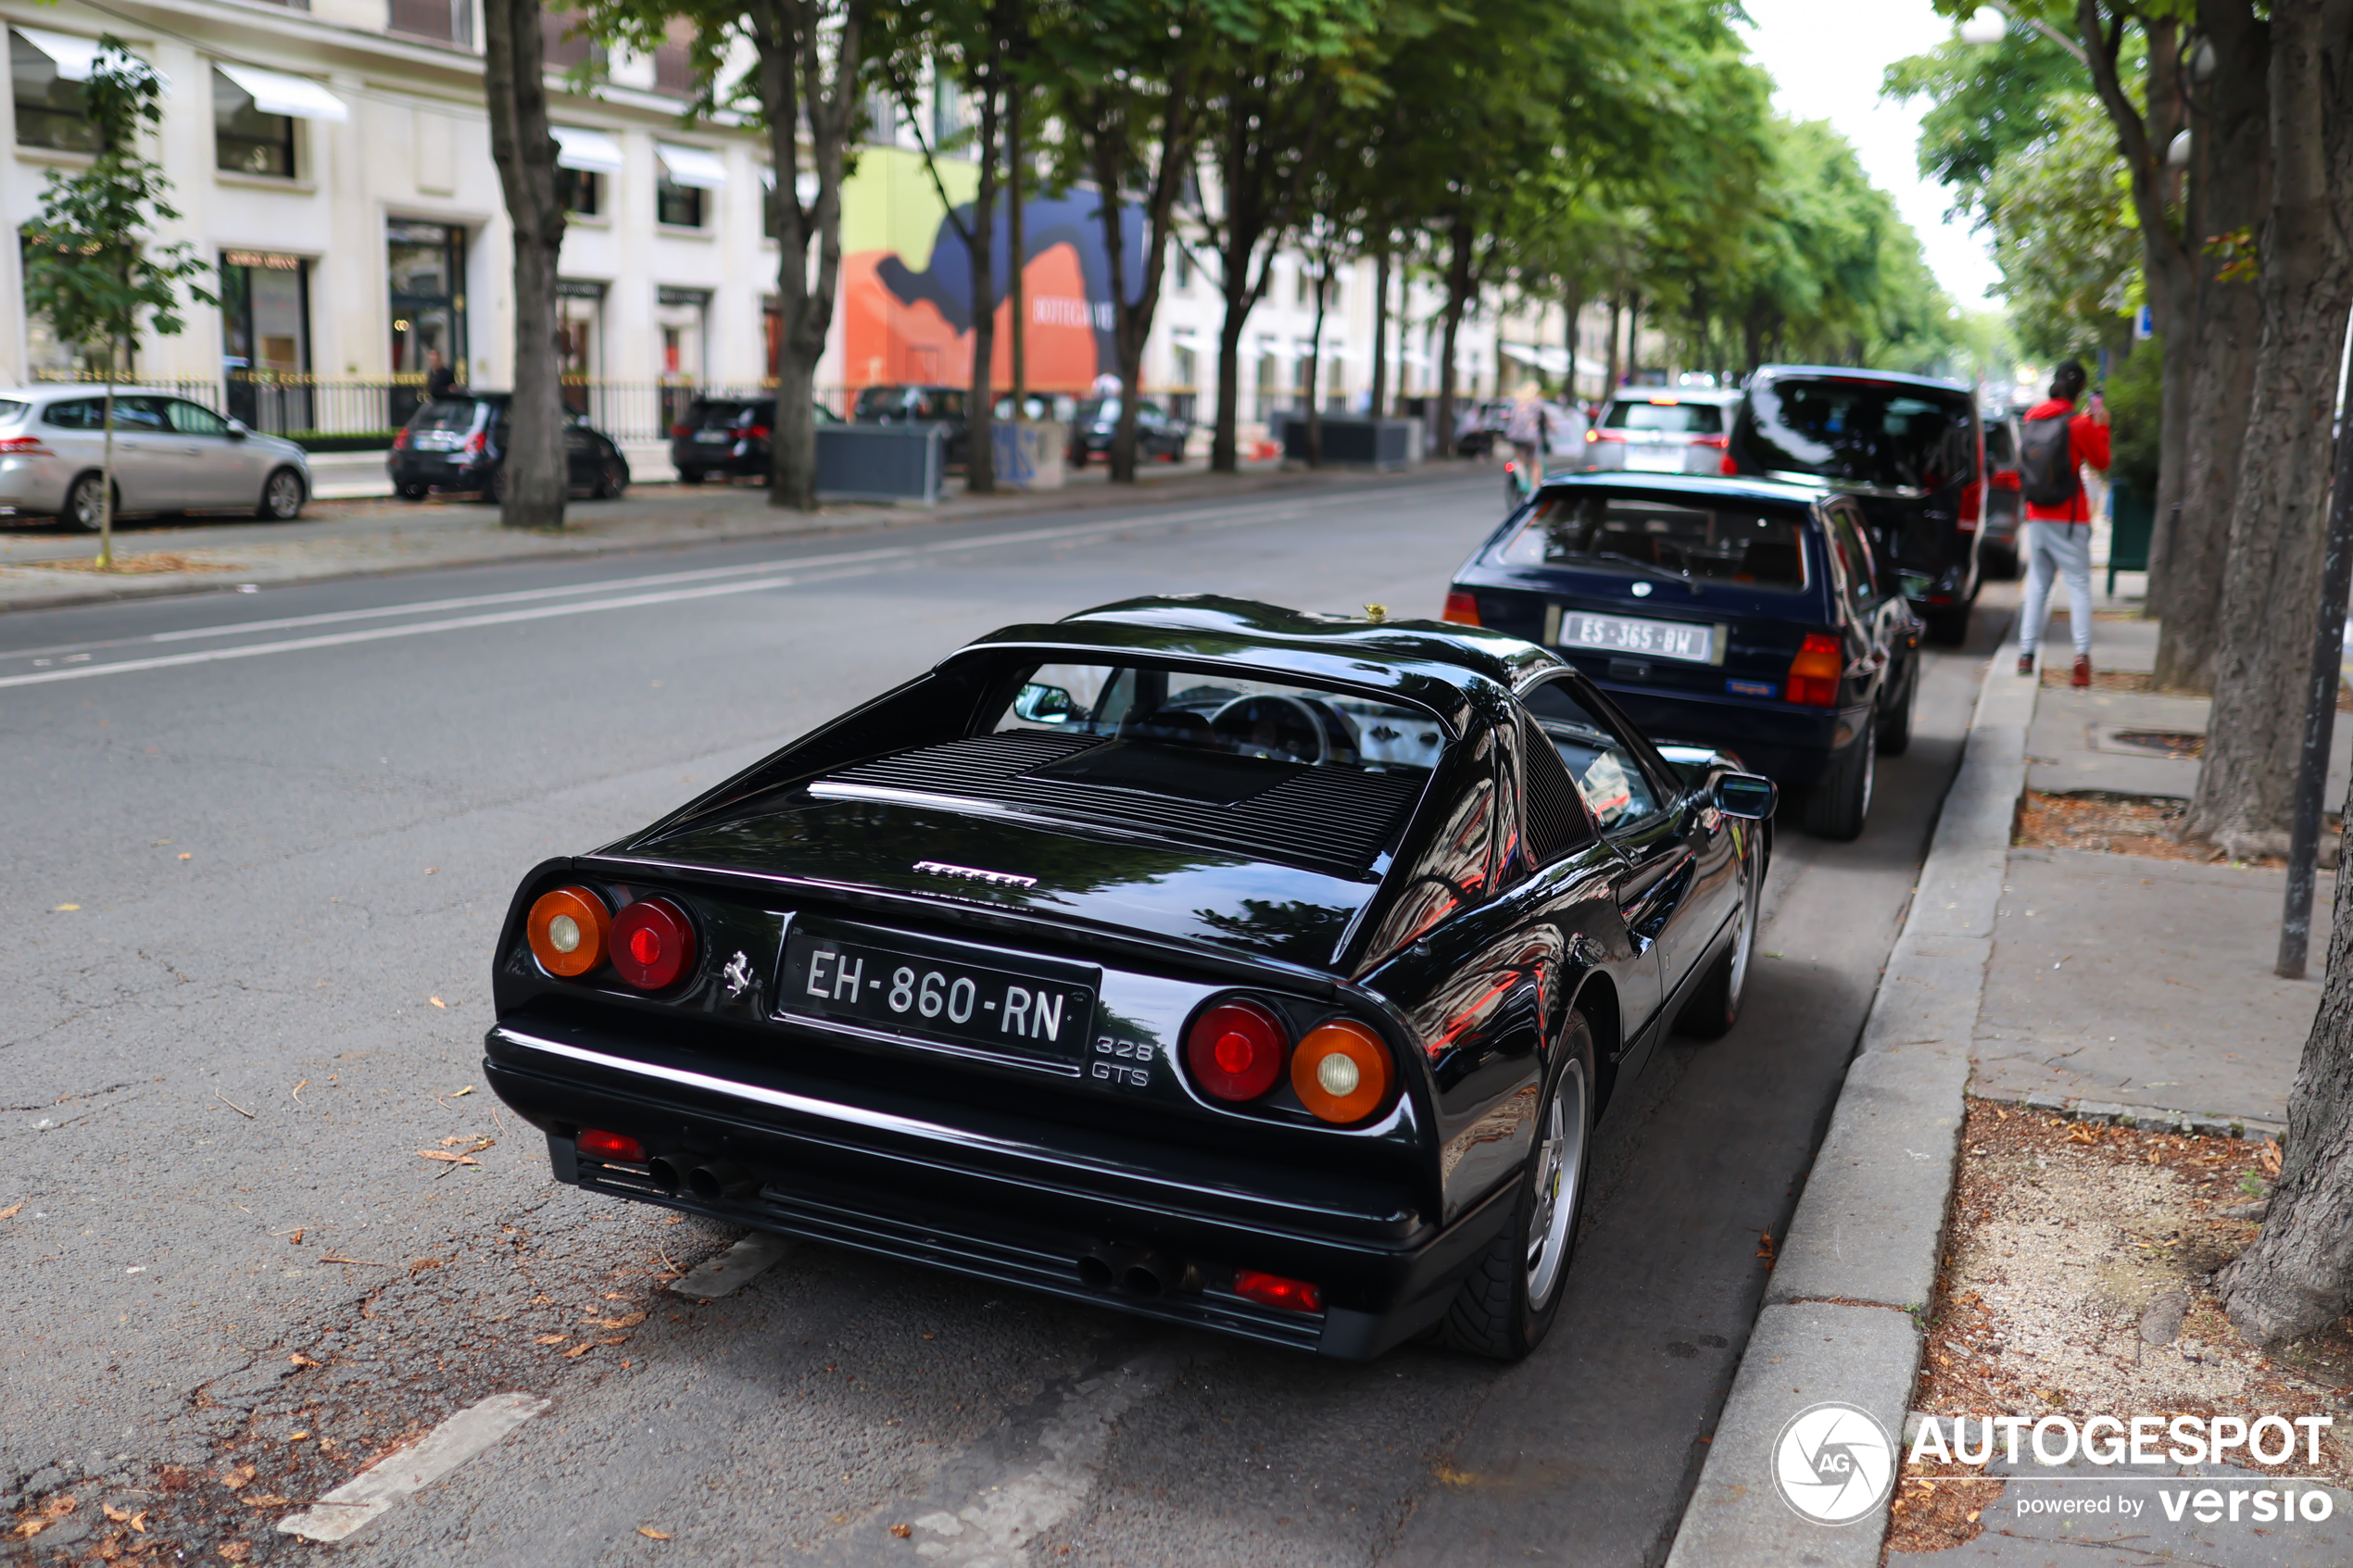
x: 2232, y: 146
x: 2278, y: 528
x: 980, y: 442
x: 1316, y: 371
x: 796, y: 79
x: 534, y: 470
x: 1378, y: 409
x: 1017, y: 244
x: 1458, y: 282
x: 1615, y: 302
x: 1132, y: 318
x: 105, y: 472
x: 1572, y: 304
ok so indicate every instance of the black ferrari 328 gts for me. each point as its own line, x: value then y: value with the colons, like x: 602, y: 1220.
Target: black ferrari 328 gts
x: 1241, y: 968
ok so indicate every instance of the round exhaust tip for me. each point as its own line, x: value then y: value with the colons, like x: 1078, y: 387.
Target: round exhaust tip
x: 1094, y: 1272
x: 1141, y: 1282
x: 704, y: 1183
x: 666, y: 1173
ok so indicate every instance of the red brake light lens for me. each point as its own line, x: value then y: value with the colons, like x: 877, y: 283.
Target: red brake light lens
x: 1814, y: 674
x: 1236, y: 1050
x: 680, y: 432
x: 1728, y: 469
x: 651, y: 944
x: 757, y: 433
x: 1273, y: 1290
x: 2005, y: 479
x: 401, y: 439
x: 603, y: 1145
x: 477, y: 444
x: 30, y: 446
x: 568, y: 930
x: 1461, y: 608
x: 1718, y: 442
x: 1973, y: 506
x: 1602, y: 435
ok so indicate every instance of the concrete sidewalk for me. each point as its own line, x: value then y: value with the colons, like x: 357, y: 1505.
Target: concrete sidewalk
x: 42, y: 566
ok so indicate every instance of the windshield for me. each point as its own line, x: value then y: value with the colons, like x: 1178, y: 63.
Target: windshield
x: 1890, y: 437
x: 1754, y: 545
x: 1676, y: 419
x: 1166, y: 720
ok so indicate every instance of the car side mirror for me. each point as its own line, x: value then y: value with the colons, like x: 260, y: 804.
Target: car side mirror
x: 1752, y: 796
x: 237, y: 431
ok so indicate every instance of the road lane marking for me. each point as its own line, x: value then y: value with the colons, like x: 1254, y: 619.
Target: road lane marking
x: 734, y: 1267
x: 1267, y: 511
x: 358, y: 1502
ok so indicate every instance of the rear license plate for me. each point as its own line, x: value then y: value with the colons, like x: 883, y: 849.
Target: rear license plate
x: 1654, y: 460
x: 933, y: 990
x: 714, y: 437
x: 1623, y: 633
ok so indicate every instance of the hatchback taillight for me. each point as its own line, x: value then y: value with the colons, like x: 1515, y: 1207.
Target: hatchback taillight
x: 568, y: 929
x: 1718, y: 442
x: 477, y: 444
x: 1814, y: 674
x: 1602, y: 435
x: 24, y: 445
x: 757, y: 433
x: 680, y: 432
x: 400, y: 440
x: 1973, y: 506
x: 1461, y: 608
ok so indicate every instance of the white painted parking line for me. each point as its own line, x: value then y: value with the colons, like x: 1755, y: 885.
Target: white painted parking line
x: 359, y: 1501
x: 734, y: 1267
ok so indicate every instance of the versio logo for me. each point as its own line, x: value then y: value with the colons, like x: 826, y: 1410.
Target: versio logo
x: 1833, y: 1464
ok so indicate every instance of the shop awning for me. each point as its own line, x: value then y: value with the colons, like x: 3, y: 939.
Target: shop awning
x: 274, y: 92
x: 74, y: 57
x: 697, y: 166
x: 591, y: 151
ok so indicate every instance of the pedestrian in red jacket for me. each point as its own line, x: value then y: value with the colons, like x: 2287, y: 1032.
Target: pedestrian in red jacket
x: 2057, y: 444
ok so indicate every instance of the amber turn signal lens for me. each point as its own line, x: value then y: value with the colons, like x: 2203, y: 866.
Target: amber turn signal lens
x: 1340, y: 1071
x: 651, y: 943
x: 567, y: 930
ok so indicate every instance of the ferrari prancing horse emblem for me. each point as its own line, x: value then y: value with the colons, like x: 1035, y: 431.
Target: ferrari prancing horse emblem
x: 737, y: 974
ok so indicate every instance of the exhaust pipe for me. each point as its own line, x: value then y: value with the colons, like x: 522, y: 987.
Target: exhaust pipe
x: 669, y: 1172
x: 717, y: 1181
x: 1151, y: 1274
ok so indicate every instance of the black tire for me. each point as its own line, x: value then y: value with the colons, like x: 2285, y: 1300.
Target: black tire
x: 1509, y: 1298
x: 410, y: 492
x: 1895, y: 727
x: 1714, y: 1005
x: 283, y: 495
x: 1841, y: 800
x: 1948, y: 627
x: 690, y: 476
x: 494, y: 489
x: 612, y: 480
x: 80, y: 512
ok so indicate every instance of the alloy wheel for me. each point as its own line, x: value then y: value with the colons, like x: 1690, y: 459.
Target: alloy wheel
x: 282, y: 497
x: 1560, y: 1165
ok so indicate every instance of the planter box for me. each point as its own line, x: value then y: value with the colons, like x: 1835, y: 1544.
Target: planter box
x: 1352, y: 442
x: 1029, y: 453
x: 895, y: 462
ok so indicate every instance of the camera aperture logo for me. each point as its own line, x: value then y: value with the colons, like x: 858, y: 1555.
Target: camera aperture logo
x: 1833, y: 1463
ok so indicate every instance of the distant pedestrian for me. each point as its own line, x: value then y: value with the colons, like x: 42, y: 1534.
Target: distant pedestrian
x: 2057, y: 444
x: 1528, y: 428
x: 440, y: 380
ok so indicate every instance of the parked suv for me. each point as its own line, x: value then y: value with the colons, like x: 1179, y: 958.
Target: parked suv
x: 729, y: 437
x: 918, y: 404
x: 1910, y: 451
x: 459, y: 443
x: 170, y: 456
x: 1661, y: 430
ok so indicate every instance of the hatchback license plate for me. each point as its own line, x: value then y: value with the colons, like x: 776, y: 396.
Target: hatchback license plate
x: 1623, y: 633
x: 1654, y: 460
x: 714, y: 436
x: 927, y: 995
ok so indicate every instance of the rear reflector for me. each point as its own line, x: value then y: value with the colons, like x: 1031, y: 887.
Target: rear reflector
x: 1236, y: 1050
x: 1273, y: 1290
x: 651, y: 944
x: 1814, y: 673
x: 603, y: 1145
x: 1461, y: 608
x: 568, y: 929
x: 1340, y: 1071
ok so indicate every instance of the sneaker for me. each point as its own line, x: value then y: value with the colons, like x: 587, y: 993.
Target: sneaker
x: 2083, y: 676
x: 2026, y: 663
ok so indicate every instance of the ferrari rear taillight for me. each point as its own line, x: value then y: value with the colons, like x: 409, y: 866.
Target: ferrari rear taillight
x: 651, y: 944
x: 1340, y: 1071
x: 1273, y: 1290
x: 1461, y: 608
x: 568, y: 929
x: 599, y: 1144
x: 1236, y: 1050
x: 1814, y: 674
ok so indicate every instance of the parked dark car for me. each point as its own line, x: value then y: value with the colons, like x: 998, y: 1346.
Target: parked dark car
x: 1159, y: 433
x: 459, y: 443
x: 919, y: 404
x: 1247, y: 970
x: 729, y: 437
x: 1997, y: 552
x: 1735, y: 614
x: 1909, y: 449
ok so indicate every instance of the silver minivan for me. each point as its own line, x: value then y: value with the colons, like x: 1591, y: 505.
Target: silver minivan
x: 171, y: 455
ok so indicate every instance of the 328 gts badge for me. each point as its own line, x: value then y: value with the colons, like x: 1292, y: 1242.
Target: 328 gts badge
x: 1125, y: 1062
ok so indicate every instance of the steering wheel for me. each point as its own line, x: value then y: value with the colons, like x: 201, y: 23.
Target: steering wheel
x: 1284, y: 729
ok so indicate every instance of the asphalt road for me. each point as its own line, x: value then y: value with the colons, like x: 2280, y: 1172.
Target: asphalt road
x: 258, y: 847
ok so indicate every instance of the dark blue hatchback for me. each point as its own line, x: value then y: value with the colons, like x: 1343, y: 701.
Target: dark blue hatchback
x: 1745, y: 615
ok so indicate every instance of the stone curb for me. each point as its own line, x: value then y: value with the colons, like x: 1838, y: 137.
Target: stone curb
x: 2203, y: 1125
x: 1840, y: 1320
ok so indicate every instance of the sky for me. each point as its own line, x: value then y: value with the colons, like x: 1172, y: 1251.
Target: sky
x: 1828, y: 57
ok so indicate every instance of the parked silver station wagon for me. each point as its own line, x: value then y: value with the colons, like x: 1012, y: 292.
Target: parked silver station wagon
x: 170, y: 456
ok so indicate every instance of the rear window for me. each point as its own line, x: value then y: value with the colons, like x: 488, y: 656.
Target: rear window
x: 1676, y: 419
x: 446, y: 413
x: 1756, y: 545
x: 1890, y: 437
x: 713, y: 414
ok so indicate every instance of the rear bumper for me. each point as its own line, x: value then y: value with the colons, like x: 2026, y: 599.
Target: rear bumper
x: 439, y: 473
x: 977, y: 1196
x: 1788, y: 744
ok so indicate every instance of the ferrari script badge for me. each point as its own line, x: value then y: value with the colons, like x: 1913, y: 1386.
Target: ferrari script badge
x: 969, y: 873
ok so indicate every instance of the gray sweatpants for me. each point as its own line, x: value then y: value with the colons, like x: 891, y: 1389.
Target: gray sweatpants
x: 2058, y: 549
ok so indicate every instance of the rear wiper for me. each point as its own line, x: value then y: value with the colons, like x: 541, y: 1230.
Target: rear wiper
x: 1654, y: 571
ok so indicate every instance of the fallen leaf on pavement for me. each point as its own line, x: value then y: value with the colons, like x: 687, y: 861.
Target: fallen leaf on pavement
x: 902, y: 1531
x: 2270, y: 1158
x: 295, y: 1239
x: 2083, y: 1131
x: 651, y: 1533
x: 627, y: 1320
x: 11, y: 1211
x: 551, y: 1339
x: 237, y: 1551
x: 446, y: 1156
x: 438, y: 1002
x: 119, y: 1515
x: 455, y: 1094
x: 579, y: 1350
x: 139, y: 1521
x: 265, y: 1500
x: 237, y: 1479
x: 298, y: 1359
x: 421, y: 1264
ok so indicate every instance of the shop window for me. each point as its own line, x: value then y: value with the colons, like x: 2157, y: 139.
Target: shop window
x: 680, y: 205
x: 245, y: 140
x: 50, y: 110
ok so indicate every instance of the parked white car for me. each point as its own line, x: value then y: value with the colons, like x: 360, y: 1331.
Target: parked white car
x: 170, y: 456
x: 1664, y: 430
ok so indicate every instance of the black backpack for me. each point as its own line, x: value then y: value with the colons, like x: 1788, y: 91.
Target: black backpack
x: 2046, y: 462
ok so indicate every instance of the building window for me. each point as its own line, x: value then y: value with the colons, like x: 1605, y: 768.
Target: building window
x: 679, y: 205
x: 245, y: 140
x: 947, y: 112
x: 50, y: 112
x: 444, y: 21
x: 675, y: 60
x: 578, y: 189
x: 561, y: 46
x: 265, y: 338
x: 580, y: 344
x: 1184, y: 270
